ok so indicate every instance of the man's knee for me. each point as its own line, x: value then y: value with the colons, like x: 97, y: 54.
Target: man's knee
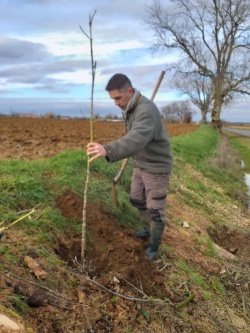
x: 140, y: 204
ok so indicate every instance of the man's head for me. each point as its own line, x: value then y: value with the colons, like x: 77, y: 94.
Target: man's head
x: 120, y: 90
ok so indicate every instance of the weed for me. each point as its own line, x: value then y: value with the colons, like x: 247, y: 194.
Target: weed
x: 217, y: 286
x: 194, y: 276
x: 19, y: 302
x: 211, y: 251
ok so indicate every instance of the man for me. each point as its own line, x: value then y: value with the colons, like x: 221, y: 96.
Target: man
x: 146, y: 140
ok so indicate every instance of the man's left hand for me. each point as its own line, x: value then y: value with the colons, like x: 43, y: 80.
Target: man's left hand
x: 95, y: 149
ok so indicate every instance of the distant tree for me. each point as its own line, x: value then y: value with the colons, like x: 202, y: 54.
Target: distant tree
x: 111, y: 116
x: 214, y: 35
x: 168, y: 112
x: 198, y: 88
x: 188, y: 117
x: 49, y: 115
x: 177, y: 112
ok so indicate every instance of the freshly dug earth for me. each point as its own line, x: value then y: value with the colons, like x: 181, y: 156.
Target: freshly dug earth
x: 116, y: 263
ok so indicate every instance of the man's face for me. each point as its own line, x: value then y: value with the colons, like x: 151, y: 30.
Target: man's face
x: 121, y: 97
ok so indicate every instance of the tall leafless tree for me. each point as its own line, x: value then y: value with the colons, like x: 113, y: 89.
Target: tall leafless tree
x: 199, y: 90
x: 214, y: 35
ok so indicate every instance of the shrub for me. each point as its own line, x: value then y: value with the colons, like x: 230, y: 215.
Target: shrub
x: 49, y: 115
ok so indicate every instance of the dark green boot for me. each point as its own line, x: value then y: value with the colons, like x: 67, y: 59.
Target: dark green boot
x: 156, y: 232
x: 145, y: 222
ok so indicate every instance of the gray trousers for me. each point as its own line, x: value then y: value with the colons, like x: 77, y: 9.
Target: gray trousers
x: 149, y: 192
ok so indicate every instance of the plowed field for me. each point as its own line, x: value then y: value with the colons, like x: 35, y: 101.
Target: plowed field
x: 38, y: 138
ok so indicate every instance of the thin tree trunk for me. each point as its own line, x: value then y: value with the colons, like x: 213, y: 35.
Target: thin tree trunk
x: 85, y: 197
x: 203, y: 116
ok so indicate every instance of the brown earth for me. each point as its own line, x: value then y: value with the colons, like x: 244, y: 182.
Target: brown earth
x: 37, y: 138
x: 114, y: 295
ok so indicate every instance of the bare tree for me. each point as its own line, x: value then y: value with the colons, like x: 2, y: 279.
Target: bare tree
x: 214, y: 35
x: 198, y: 88
x: 177, y: 112
x: 168, y: 112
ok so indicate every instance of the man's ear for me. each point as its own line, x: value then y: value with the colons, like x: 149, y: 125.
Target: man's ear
x: 131, y: 91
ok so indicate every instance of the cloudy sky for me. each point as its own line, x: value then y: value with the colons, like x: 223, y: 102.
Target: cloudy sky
x: 45, y: 63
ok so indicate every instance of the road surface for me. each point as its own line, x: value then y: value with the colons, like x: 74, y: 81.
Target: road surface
x: 236, y: 130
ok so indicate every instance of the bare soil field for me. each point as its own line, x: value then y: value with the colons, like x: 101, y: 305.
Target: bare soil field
x: 38, y: 138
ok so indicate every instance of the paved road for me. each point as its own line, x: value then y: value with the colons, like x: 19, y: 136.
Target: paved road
x: 236, y: 130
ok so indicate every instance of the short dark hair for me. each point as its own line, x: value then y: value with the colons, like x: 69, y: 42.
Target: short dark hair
x: 118, y: 82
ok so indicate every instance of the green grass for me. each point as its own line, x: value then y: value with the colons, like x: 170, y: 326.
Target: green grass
x: 199, y: 150
x: 243, y: 151
x: 195, y: 147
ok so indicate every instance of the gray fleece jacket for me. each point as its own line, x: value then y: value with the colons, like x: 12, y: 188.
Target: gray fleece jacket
x: 146, y: 139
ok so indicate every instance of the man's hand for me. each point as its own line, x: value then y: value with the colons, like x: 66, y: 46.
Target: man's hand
x: 95, y: 149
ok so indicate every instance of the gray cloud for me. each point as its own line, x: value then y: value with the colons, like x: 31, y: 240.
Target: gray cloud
x: 30, y: 63
x: 149, y: 74
x: 13, y: 50
x: 22, y: 61
x: 113, y: 18
x: 66, y: 66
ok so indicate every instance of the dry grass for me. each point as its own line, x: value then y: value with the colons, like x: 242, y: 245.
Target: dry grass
x: 246, y: 127
x: 226, y: 158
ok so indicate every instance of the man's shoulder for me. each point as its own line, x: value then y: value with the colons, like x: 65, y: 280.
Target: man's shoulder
x: 146, y: 105
x: 144, y: 99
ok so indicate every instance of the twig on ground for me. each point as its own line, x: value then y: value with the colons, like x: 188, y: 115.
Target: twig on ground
x: 154, y: 300
x: 39, y: 215
x: 165, y: 266
x: 231, y: 319
x: 20, y: 219
x: 185, y: 301
x: 54, y: 293
x: 28, y: 210
x: 131, y: 285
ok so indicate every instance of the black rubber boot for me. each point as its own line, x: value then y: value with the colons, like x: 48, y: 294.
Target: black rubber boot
x: 145, y: 222
x: 143, y: 233
x: 156, y: 232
